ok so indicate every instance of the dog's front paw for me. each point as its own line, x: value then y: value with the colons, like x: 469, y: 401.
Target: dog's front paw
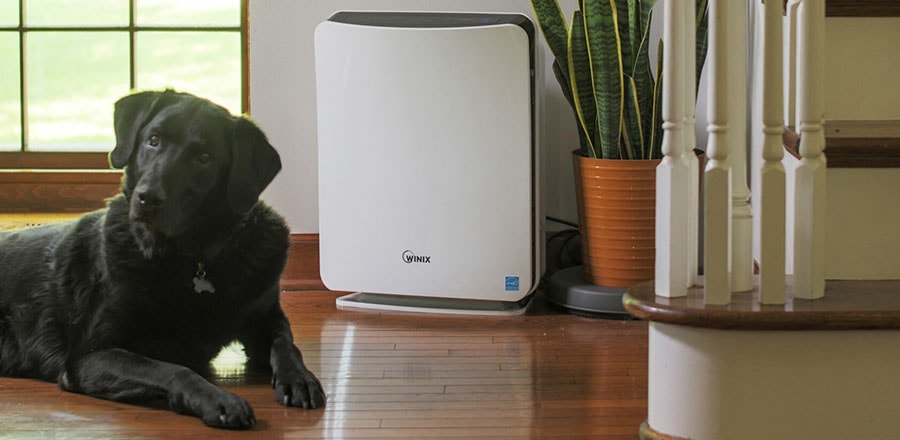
x: 227, y: 411
x: 301, y: 389
x: 214, y: 406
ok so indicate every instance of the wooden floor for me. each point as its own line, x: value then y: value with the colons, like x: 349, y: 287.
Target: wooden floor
x: 544, y: 375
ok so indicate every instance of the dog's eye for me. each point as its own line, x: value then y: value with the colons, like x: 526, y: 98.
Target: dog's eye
x: 153, y: 141
x: 204, y: 158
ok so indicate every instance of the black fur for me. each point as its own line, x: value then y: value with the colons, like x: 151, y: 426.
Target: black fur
x: 105, y: 305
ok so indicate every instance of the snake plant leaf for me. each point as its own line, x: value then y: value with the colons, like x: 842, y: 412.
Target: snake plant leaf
x: 560, y: 77
x: 623, y: 24
x: 567, y: 93
x: 702, y: 38
x: 605, y: 53
x: 639, y: 16
x: 644, y: 86
x: 603, y: 67
x: 646, y: 12
x: 635, y: 30
x: 657, y: 130
x: 553, y: 25
x: 581, y: 83
x: 633, y: 133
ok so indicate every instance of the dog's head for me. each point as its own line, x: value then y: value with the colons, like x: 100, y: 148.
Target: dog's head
x: 188, y: 160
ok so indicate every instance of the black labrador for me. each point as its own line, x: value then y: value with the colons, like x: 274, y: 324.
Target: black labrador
x: 132, y: 302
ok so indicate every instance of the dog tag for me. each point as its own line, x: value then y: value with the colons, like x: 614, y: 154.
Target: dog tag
x: 201, y: 284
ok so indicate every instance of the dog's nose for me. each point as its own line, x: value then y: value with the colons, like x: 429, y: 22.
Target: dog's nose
x: 150, y: 200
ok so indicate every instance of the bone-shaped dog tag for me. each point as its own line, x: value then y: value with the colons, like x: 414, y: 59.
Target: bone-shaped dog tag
x: 201, y: 284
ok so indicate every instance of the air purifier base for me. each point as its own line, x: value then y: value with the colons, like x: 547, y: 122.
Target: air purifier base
x: 415, y: 304
x: 569, y: 290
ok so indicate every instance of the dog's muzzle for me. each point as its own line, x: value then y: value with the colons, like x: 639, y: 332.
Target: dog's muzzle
x: 146, y: 205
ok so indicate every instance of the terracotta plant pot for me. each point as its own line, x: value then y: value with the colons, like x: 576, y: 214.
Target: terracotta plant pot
x: 617, y: 214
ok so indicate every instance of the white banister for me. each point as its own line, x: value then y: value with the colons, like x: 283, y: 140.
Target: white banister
x: 727, y: 216
x: 717, y: 176
x: 672, y: 174
x: 771, y: 199
x: 689, y: 63
x: 742, y: 215
x: 809, y: 205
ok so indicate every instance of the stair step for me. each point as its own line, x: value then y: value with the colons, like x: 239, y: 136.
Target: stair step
x: 862, y: 8
x: 856, y: 144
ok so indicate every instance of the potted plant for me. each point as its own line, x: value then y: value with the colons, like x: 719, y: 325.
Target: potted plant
x: 602, y: 64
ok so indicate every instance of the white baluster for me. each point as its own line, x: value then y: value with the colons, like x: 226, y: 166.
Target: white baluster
x: 690, y: 107
x: 809, y: 205
x: 742, y: 215
x: 672, y: 174
x: 790, y: 63
x: 717, y: 176
x: 771, y: 198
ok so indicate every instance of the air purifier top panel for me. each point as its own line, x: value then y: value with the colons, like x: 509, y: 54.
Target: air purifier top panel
x: 419, y: 20
x: 427, y: 154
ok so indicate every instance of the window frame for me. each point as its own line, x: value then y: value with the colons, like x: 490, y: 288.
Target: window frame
x: 37, y: 181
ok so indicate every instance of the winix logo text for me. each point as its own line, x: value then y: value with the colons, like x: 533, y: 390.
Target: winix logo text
x: 409, y: 257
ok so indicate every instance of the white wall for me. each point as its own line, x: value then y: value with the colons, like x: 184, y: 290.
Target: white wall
x: 861, y: 62
x: 862, y: 241
x: 283, y: 98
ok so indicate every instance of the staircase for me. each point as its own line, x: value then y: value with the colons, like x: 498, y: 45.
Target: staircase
x: 862, y: 238
x: 862, y: 107
x: 810, y: 355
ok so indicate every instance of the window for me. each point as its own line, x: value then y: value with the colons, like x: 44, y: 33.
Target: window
x: 65, y: 62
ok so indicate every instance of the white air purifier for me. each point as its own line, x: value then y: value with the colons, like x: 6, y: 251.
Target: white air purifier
x: 428, y: 191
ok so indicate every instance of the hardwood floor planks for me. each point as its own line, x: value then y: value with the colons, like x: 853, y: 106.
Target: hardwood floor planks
x: 546, y: 375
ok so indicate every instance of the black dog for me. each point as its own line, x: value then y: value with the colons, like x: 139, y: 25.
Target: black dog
x: 130, y: 303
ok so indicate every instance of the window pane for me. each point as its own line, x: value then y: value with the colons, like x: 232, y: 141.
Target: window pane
x: 75, y: 12
x: 204, y: 63
x: 191, y: 13
x: 9, y: 13
x: 10, y: 132
x: 73, y: 80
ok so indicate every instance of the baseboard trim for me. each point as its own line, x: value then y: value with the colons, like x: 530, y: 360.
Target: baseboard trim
x: 302, y: 269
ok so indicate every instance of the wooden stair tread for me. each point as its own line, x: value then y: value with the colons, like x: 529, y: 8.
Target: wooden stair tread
x: 884, y: 131
x: 862, y: 144
x: 856, y: 144
x: 862, y: 8
x: 847, y: 305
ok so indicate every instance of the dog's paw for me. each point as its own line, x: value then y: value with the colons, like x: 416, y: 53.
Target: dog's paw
x: 300, y: 389
x: 191, y: 394
x: 228, y: 412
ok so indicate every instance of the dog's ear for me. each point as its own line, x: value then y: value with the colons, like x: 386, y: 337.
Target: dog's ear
x: 254, y: 164
x: 130, y: 115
